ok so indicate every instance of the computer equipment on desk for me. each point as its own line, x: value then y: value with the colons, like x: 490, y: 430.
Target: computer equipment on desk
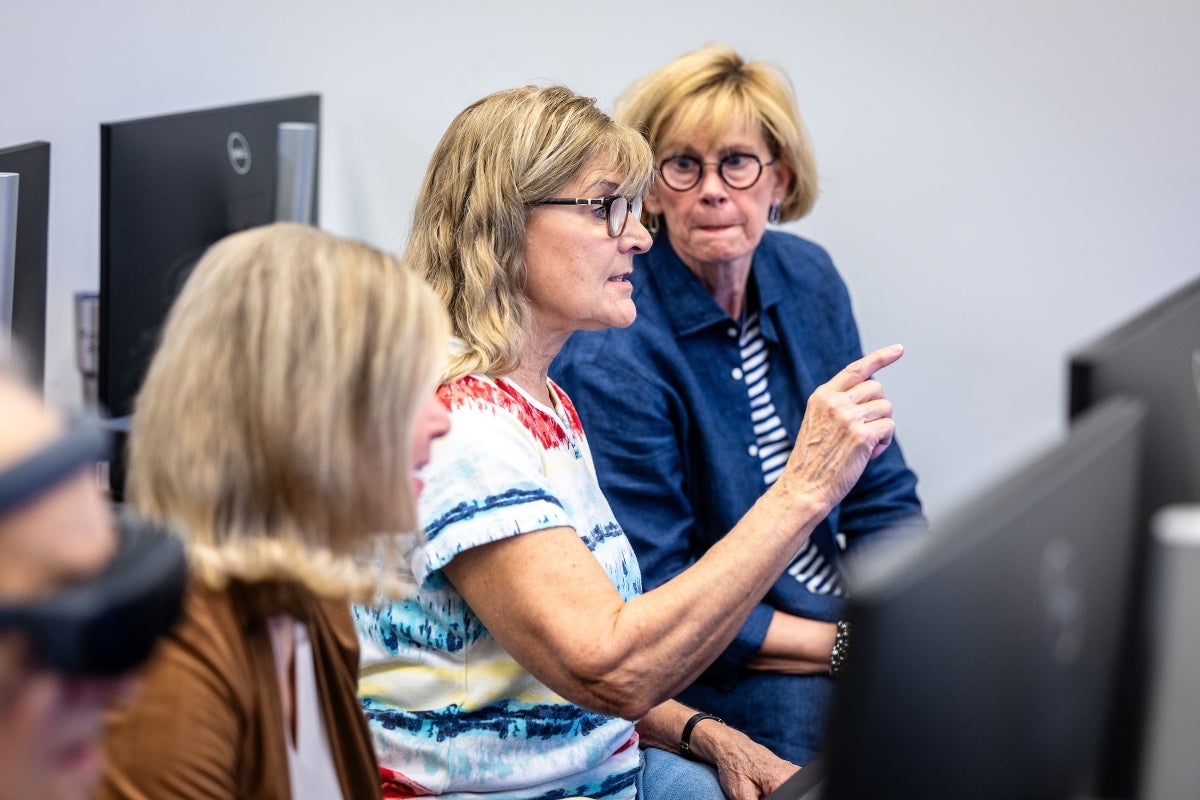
x: 984, y: 654
x: 807, y: 784
x: 1152, y: 356
x: 171, y: 186
x: 24, y: 218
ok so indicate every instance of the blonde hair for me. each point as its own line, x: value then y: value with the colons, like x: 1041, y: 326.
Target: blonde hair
x: 500, y: 154
x: 713, y: 89
x: 274, y: 425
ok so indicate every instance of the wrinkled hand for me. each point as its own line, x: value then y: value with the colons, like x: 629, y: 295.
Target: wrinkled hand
x: 746, y: 769
x: 848, y: 421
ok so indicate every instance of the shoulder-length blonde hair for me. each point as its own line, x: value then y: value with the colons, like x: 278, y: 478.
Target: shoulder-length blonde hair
x: 714, y: 89
x: 274, y: 425
x: 500, y: 154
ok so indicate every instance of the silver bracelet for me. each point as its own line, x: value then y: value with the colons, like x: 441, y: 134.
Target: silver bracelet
x: 841, y: 646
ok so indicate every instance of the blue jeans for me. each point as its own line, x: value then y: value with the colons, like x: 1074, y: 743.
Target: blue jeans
x: 666, y: 776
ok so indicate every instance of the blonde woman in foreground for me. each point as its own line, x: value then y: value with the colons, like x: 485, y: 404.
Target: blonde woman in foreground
x: 278, y: 429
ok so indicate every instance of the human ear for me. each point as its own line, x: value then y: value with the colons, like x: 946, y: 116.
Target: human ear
x: 652, y: 202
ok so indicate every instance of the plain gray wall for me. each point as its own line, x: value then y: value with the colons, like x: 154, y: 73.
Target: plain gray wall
x: 1001, y: 181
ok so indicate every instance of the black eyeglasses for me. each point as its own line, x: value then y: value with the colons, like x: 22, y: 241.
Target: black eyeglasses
x: 738, y: 170
x: 614, y: 209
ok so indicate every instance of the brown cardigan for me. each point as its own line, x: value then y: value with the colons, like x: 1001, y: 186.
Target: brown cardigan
x: 208, y: 721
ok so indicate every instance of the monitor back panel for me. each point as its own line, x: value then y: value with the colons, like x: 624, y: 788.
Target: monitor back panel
x: 170, y: 187
x: 983, y: 655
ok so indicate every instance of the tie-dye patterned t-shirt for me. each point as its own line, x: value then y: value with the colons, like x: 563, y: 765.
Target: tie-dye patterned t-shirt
x: 451, y: 713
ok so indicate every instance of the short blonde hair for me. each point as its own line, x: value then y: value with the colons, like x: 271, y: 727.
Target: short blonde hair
x: 273, y: 429
x: 713, y: 89
x: 500, y: 154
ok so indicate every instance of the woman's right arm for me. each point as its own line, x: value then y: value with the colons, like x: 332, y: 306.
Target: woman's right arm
x: 638, y: 435
x: 552, y: 607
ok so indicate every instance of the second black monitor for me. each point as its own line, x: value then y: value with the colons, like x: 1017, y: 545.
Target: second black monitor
x: 171, y: 186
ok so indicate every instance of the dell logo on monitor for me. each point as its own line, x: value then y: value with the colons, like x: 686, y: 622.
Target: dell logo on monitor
x: 239, y: 153
x: 1063, y: 600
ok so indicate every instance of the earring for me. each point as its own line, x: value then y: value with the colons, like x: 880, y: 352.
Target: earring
x: 652, y: 224
x: 774, y: 215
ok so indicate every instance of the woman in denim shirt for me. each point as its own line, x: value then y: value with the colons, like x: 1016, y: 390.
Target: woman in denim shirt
x: 694, y: 409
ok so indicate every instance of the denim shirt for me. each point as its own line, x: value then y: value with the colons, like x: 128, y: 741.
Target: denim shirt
x: 668, y: 417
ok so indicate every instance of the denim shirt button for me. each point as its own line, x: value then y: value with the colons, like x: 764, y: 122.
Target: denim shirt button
x: 752, y: 449
x: 737, y: 374
x: 733, y: 332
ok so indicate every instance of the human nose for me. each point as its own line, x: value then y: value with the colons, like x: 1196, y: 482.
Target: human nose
x: 635, y: 237
x: 712, y: 183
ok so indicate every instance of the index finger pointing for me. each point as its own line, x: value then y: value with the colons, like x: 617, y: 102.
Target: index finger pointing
x: 861, y: 370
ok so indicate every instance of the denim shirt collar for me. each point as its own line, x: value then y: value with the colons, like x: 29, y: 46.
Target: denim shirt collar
x: 688, y: 305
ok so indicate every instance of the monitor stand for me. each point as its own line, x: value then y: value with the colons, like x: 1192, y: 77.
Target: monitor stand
x: 1170, y: 768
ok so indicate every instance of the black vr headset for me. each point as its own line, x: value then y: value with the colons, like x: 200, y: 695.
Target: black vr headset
x: 107, y: 624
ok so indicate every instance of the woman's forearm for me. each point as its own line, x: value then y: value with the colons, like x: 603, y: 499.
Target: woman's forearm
x: 795, y: 645
x: 550, y: 604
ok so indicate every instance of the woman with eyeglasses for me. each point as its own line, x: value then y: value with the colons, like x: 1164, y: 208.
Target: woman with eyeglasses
x: 695, y: 409
x: 530, y: 664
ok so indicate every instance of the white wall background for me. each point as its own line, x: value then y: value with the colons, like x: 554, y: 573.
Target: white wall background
x: 1002, y: 180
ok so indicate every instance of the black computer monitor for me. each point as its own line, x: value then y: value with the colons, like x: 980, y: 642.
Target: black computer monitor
x: 983, y: 654
x: 169, y: 187
x: 28, y: 290
x: 1152, y: 356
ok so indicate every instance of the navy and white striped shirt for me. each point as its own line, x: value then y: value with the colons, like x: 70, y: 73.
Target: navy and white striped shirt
x: 774, y: 444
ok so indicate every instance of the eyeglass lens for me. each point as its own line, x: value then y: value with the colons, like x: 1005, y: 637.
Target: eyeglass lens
x: 738, y: 170
x: 617, y: 210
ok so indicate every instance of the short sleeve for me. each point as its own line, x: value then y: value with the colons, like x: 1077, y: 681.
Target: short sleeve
x: 485, y: 481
